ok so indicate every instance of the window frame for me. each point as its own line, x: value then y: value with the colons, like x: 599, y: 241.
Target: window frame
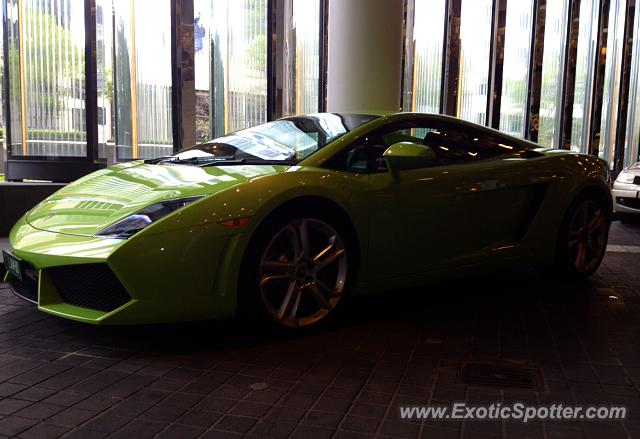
x: 435, y: 123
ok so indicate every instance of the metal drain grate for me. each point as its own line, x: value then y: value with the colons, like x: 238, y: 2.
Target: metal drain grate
x: 499, y: 375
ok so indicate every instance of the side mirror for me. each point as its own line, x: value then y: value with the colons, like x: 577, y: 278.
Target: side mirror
x: 403, y: 156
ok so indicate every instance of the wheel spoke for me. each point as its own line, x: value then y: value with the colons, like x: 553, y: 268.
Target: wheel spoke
x: 583, y: 215
x: 271, y: 277
x: 318, y: 296
x: 293, y: 235
x: 304, y: 238
x: 326, y: 250
x: 592, y: 249
x: 287, y: 299
x: 289, y: 283
x: 280, y: 267
x: 296, y: 304
x: 581, y: 255
x: 597, y: 221
x: 573, y: 242
x: 326, y: 291
x: 327, y: 260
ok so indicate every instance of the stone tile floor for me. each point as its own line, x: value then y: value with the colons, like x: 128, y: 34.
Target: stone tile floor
x: 60, y: 378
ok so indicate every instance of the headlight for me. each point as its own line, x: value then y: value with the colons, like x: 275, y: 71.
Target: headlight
x: 132, y: 224
x: 626, y: 177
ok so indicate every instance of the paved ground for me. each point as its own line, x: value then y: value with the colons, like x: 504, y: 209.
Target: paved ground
x: 60, y: 378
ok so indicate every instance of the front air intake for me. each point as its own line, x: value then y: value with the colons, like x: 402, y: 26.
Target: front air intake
x: 92, y: 286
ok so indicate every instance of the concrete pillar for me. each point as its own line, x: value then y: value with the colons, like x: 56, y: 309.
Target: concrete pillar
x: 364, y: 55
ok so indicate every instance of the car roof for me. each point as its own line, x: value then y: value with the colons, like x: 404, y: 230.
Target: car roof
x: 399, y: 115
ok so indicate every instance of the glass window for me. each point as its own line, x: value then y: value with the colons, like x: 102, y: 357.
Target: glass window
x: 141, y: 78
x: 13, y: 74
x: 633, y: 118
x: 582, y: 96
x: 453, y: 146
x: 104, y: 62
x: 517, y: 52
x: 475, y: 39
x: 230, y: 65
x: 3, y: 151
x: 550, y: 96
x: 46, y: 73
x: 425, y: 80
x: 302, y: 57
x: 613, y: 71
x: 289, y: 139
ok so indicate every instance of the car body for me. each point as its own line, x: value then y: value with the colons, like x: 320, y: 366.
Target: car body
x: 626, y: 192
x: 409, y: 215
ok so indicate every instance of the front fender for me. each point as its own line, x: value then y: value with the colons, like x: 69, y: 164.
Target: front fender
x: 347, y: 191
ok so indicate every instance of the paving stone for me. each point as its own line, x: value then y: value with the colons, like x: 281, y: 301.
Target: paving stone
x: 9, y: 406
x: 44, y: 430
x: 348, y: 380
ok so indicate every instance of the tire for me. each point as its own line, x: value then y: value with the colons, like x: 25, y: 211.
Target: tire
x: 314, y: 280
x: 628, y: 218
x: 583, y: 237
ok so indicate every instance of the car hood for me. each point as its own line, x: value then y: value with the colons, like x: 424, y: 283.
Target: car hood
x: 633, y: 169
x: 87, y: 206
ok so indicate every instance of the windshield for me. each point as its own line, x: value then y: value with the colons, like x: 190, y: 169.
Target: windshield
x: 286, y: 140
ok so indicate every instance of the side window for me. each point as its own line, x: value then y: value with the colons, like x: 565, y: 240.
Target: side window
x: 451, y: 144
x: 363, y: 156
x: 486, y: 146
x: 414, y: 135
x: 366, y: 155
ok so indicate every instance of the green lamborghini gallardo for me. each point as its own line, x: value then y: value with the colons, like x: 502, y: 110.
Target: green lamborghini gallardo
x: 289, y: 218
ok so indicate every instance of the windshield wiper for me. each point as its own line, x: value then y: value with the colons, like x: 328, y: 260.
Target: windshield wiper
x: 217, y: 161
x: 158, y: 159
x: 188, y: 161
x: 231, y: 162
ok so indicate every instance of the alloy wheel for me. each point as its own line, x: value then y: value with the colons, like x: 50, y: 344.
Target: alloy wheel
x: 587, y: 236
x: 303, y: 272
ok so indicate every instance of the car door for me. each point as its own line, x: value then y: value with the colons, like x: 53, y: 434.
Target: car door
x: 476, y: 202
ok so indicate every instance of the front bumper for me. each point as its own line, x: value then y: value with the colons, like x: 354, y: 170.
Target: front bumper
x: 153, y: 278
x: 626, y: 198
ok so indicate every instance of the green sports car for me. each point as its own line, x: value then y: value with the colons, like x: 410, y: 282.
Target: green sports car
x: 285, y: 220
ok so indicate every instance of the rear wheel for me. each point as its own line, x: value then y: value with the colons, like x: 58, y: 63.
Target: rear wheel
x: 583, y: 239
x: 299, y: 270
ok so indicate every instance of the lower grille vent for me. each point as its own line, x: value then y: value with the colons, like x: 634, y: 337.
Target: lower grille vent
x: 92, y: 286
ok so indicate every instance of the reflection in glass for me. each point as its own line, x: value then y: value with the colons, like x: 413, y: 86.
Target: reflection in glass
x: 202, y: 62
x: 13, y: 74
x: 302, y: 57
x: 3, y: 151
x: 475, y: 38
x: 428, y: 34
x: 582, y: 98
x: 550, y: 96
x: 46, y: 73
x: 633, y: 118
x: 239, y: 64
x: 516, y: 66
x: 230, y: 65
x: 142, y: 78
x: 610, y: 100
x: 284, y: 140
x: 104, y: 61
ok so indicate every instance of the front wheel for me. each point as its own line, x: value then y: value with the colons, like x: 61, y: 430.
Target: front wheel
x: 583, y: 238
x: 299, y: 270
